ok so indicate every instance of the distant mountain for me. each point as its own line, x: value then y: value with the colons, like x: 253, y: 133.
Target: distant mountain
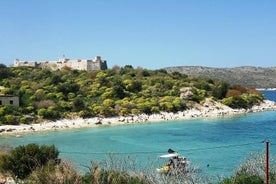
x: 248, y: 76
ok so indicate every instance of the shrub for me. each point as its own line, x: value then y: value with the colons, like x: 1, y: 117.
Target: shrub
x: 112, y: 177
x: 235, y: 102
x: 10, y: 120
x: 251, y: 171
x: 243, y: 179
x: 22, y: 160
x: 49, y: 113
x: 50, y: 173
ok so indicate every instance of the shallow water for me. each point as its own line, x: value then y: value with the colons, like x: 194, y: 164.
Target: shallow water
x: 220, y: 143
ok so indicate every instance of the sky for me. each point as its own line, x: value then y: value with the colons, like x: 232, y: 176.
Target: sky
x: 151, y: 34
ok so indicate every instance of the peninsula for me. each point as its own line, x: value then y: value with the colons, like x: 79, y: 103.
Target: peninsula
x: 34, y: 99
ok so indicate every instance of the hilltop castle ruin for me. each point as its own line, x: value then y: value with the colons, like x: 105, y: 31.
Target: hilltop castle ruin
x: 79, y: 64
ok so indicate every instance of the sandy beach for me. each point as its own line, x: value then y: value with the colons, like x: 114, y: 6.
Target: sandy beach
x: 210, y: 109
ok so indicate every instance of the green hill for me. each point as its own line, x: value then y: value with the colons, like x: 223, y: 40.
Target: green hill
x: 50, y: 95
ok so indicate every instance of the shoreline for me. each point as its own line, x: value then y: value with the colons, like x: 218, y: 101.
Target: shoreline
x: 266, y: 89
x: 210, y: 109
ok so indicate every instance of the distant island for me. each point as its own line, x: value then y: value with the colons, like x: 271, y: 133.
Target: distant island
x: 248, y: 76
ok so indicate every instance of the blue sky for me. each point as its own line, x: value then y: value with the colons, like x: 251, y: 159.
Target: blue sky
x: 143, y: 33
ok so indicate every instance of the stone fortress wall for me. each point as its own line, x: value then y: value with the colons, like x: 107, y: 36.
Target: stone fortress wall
x: 79, y: 64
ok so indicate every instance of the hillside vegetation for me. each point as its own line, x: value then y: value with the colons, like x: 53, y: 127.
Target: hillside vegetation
x: 51, y: 95
x: 247, y: 76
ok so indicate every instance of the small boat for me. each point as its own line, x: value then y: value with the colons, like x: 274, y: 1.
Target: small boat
x: 176, y: 165
x: 170, y: 155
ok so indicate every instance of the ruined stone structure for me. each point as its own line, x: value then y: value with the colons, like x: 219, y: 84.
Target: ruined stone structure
x: 9, y: 100
x: 79, y: 64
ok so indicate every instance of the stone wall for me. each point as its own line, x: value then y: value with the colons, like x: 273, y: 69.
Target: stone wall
x: 79, y: 64
x: 9, y: 100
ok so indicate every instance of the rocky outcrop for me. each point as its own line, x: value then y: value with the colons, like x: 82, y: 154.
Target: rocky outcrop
x: 186, y: 92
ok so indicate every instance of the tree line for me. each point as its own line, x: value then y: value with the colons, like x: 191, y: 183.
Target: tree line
x: 49, y: 95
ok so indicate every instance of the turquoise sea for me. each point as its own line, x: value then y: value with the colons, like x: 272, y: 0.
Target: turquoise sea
x: 221, y: 143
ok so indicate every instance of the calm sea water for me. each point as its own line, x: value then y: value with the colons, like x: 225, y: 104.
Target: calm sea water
x: 220, y: 143
x: 271, y: 95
